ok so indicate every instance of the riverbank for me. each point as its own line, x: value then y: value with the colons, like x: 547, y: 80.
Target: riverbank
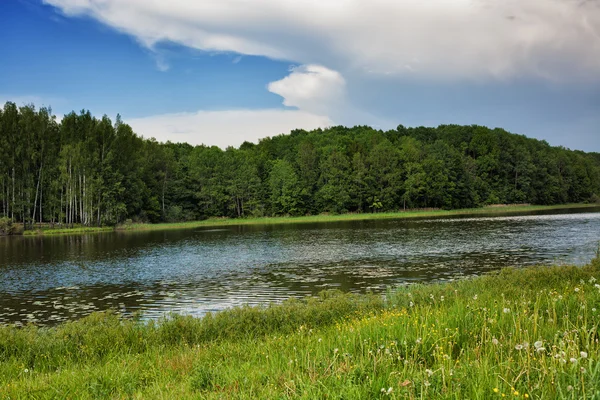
x: 518, y: 333
x: 219, y: 222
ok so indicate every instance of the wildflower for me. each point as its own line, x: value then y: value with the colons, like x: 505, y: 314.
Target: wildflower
x: 526, y: 395
x: 597, y: 286
x: 419, y: 340
x: 519, y: 347
x: 320, y: 340
x: 538, y: 344
x: 592, y: 279
x: 582, y: 370
x: 576, y: 290
x: 496, y: 390
x: 516, y: 393
x: 389, y: 391
x: 429, y: 372
x: 26, y: 370
x: 506, y: 310
x: 583, y: 354
x: 495, y: 341
x: 335, y: 350
x: 475, y: 297
x: 411, y: 304
x: 540, y: 349
x: 569, y: 388
x: 427, y: 384
x: 573, y: 360
x: 593, y: 310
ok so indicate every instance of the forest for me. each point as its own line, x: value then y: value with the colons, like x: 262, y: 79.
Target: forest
x: 94, y: 171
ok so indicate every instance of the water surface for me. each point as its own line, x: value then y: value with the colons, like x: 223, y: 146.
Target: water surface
x: 56, y: 278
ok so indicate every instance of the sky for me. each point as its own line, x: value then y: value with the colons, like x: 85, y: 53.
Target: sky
x: 221, y: 72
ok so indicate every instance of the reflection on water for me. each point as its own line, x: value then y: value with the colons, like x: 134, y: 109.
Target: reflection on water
x: 51, y: 279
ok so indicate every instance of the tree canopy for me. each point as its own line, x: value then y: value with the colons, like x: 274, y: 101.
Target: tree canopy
x: 94, y: 171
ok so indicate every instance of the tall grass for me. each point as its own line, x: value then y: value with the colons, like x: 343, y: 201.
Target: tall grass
x: 518, y: 333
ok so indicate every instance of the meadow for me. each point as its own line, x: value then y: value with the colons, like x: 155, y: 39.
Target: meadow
x: 527, y: 333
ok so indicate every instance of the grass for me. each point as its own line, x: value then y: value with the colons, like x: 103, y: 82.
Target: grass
x: 218, y: 222
x: 517, y: 333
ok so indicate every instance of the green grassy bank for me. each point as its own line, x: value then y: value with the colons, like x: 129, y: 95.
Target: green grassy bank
x: 518, y: 333
x: 217, y: 222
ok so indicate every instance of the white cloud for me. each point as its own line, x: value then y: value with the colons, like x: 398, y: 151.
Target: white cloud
x: 225, y: 128
x: 311, y: 88
x: 447, y: 39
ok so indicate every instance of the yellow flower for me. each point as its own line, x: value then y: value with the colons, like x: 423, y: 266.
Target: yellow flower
x: 496, y: 390
x: 526, y: 396
x: 516, y: 393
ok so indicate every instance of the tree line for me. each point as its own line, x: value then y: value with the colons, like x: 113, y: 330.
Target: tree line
x: 94, y: 171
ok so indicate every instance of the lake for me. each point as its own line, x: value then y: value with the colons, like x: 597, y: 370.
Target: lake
x: 56, y: 278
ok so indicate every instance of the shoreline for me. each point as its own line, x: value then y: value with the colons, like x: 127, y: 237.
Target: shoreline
x: 518, y: 332
x: 219, y: 222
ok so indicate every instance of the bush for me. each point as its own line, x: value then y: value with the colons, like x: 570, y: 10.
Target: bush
x: 8, y: 228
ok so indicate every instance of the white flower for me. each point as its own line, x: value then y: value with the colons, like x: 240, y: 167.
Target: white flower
x: 540, y: 349
x: 538, y: 344
x: 475, y: 297
x: 593, y: 310
x: 583, y: 354
x: 389, y: 391
x: 519, y: 347
x: 419, y: 340
x: 592, y: 279
x: 442, y: 298
x: 495, y: 341
x: 506, y: 310
x: 427, y: 384
x: 573, y: 360
x: 429, y: 372
x: 411, y: 304
x: 26, y: 370
x: 569, y: 388
x: 576, y: 290
x: 320, y: 340
x: 597, y: 286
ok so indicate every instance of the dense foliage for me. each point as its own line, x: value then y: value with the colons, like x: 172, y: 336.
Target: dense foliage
x: 91, y: 171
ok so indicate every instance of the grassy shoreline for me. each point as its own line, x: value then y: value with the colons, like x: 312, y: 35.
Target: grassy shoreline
x: 527, y: 333
x: 219, y: 222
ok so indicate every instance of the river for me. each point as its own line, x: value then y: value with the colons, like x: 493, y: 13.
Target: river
x: 51, y: 279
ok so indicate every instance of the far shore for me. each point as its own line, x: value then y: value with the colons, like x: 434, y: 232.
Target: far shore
x: 217, y: 222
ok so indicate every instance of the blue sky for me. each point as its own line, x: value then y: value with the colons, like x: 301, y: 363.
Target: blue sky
x: 226, y: 71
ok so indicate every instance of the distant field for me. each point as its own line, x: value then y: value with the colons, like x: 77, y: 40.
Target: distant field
x: 215, y: 222
x: 519, y: 333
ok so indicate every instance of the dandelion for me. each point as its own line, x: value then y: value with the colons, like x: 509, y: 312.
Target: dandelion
x: 442, y: 298
x: 576, y: 290
x: 573, y: 360
x: 582, y: 370
x: 429, y: 372
x: 419, y: 340
x: 426, y: 383
x: 569, y: 388
x: 516, y: 393
x: 583, y: 354
x: 538, y: 344
x: 475, y: 297
x: 495, y: 341
x: 526, y: 395
x: 411, y: 304
x: 593, y: 310
x: 496, y: 390
x: 335, y: 350
x: 597, y: 286
x: 506, y: 310
x: 540, y: 349
x: 320, y: 340
x: 519, y: 347
x: 26, y: 370
x: 389, y: 391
